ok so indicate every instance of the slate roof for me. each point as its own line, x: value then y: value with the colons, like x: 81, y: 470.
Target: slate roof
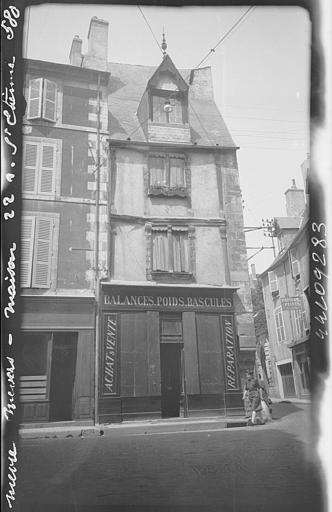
x: 127, y: 85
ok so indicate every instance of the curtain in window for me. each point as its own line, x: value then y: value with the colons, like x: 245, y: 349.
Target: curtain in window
x: 160, y: 251
x: 157, y: 171
x: 158, y: 114
x: 176, y: 169
x: 180, y: 252
x: 176, y: 115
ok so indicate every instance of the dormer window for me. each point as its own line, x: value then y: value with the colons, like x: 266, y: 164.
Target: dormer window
x: 42, y: 99
x: 160, y: 112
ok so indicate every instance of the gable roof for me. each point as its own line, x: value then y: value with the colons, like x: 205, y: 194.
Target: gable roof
x: 127, y: 84
x: 167, y: 65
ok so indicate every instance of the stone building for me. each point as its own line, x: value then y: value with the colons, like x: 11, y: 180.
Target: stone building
x: 147, y: 294
x: 286, y: 295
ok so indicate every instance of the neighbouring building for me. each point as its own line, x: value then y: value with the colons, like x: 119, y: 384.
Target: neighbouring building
x: 145, y: 304
x: 286, y: 295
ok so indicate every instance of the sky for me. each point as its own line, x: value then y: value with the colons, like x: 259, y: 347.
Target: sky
x: 260, y: 75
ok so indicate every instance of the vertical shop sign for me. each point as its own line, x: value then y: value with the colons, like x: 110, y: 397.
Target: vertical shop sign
x: 110, y: 359
x: 231, y: 365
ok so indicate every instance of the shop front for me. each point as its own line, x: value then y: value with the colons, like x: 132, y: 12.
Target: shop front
x: 56, y: 359
x: 167, y: 351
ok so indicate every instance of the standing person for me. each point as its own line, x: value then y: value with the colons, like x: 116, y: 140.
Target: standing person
x: 253, y: 388
x: 267, y: 405
x: 245, y: 398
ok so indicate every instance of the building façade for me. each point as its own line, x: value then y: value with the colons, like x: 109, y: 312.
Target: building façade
x: 166, y: 318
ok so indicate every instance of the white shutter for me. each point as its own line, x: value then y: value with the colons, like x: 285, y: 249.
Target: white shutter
x: 49, y: 100
x: 273, y: 280
x: 27, y: 243
x: 30, y: 164
x: 47, y: 168
x: 41, y: 275
x: 158, y: 114
x: 295, y: 266
x: 35, y: 98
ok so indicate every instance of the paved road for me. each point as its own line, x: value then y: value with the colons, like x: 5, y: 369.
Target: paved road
x: 196, y: 467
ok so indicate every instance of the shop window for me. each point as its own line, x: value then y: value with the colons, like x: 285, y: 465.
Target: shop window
x: 167, y: 175
x: 41, y: 166
x: 170, y: 250
x: 273, y: 282
x: 42, y: 99
x: 38, y: 244
x: 280, y: 326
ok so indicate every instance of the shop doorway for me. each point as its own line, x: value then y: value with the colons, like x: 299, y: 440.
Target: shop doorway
x: 171, y: 344
x: 286, y: 372
x: 62, y: 376
x: 170, y: 356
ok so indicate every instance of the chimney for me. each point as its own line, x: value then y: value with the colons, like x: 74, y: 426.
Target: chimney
x: 75, y: 56
x: 96, y: 58
x: 295, y: 202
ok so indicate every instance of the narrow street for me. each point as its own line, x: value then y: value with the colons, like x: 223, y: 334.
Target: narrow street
x: 175, y: 467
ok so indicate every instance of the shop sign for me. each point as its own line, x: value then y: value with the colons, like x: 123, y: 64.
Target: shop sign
x: 110, y: 355
x: 231, y: 367
x: 161, y: 300
x: 289, y: 303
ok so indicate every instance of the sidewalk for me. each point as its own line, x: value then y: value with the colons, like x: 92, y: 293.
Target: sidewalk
x: 51, y: 431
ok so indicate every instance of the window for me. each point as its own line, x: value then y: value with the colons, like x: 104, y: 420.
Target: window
x: 158, y: 114
x: 279, y: 320
x: 42, y: 99
x: 295, y: 266
x: 167, y: 175
x: 41, y: 170
x: 170, y: 249
x: 298, y: 322
x: 34, y: 366
x: 37, y: 247
x: 273, y: 281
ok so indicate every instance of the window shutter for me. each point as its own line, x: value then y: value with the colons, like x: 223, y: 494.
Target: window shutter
x: 35, y: 98
x: 295, y: 266
x: 47, y: 168
x: 273, y: 280
x: 43, y: 252
x: 160, y: 251
x: 49, y: 101
x: 27, y: 243
x: 30, y: 163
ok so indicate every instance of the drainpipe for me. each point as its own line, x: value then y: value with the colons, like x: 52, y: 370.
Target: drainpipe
x: 96, y: 260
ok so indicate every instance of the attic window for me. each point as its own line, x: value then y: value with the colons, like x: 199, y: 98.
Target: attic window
x: 42, y: 99
x: 158, y: 113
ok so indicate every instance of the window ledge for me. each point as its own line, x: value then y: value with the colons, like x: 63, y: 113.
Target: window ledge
x: 167, y: 191
x: 159, y: 275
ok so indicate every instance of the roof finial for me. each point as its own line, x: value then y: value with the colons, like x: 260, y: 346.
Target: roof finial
x: 164, y: 44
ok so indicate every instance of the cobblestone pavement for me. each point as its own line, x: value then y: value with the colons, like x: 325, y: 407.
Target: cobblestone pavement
x: 175, y: 469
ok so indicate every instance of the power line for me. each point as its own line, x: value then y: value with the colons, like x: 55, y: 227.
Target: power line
x: 148, y: 24
x: 228, y: 33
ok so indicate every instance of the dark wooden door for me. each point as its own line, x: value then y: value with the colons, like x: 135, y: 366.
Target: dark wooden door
x: 170, y: 359
x: 287, y: 378
x: 62, y: 376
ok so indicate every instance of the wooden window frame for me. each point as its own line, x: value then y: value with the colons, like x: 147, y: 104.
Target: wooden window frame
x: 295, y: 264
x: 273, y: 283
x: 165, y: 94
x: 170, y: 275
x: 167, y: 190
x: 53, y: 255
